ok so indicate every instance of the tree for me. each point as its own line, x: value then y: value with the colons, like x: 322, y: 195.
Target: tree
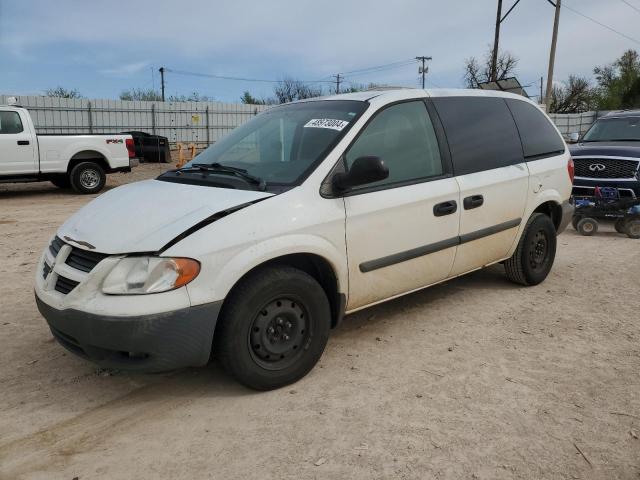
x: 480, y: 71
x: 140, y: 94
x: 249, y: 99
x: 62, y: 92
x: 289, y: 90
x: 360, y: 87
x: 574, y: 96
x: 619, y: 82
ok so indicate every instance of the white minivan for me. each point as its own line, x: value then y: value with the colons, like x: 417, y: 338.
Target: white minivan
x: 310, y: 211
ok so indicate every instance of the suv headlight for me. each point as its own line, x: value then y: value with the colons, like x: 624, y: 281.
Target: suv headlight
x: 142, y: 275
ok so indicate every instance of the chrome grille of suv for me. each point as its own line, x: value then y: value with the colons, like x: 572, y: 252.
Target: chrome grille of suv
x: 613, y: 168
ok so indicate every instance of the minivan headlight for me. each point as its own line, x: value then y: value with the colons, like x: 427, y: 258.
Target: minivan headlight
x: 142, y: 275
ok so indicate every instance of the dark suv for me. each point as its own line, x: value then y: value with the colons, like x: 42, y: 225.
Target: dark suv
x: 608, y: 155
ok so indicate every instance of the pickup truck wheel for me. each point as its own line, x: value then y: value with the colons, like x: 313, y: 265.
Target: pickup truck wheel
x: 273, y: 328
x: 61, y: 182
x: 88, y: 177
x: 532, y: 261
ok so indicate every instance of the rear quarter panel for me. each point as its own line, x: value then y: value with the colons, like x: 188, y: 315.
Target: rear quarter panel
x: 57, y: 150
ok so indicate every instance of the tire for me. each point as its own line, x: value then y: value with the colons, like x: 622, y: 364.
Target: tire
x: 619, y: 225
x: 532, y: 261
x: 87, y: 178
x: 588, y: 226
x: 574, y: 221
x: 273, y: 328
x: 632, y: 228
x: 62, y: 181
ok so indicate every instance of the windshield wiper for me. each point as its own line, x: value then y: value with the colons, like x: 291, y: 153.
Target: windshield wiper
x: 218, y: 167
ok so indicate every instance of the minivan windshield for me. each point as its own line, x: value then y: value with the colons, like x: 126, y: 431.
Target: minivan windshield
x: 281, y: 145
x: 621, y: 129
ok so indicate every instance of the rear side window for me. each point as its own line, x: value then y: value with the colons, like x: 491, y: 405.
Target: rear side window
x: 481, y: 133
x: 403, y: 136
x: 10, y: 123
x: 539, y: 137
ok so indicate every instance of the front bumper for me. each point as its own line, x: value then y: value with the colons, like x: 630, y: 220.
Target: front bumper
x: 144, y: 343
x: 567, y: 215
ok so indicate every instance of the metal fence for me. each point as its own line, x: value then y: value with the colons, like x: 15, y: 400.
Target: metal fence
x: 569, y: 123
x: 201, y: 123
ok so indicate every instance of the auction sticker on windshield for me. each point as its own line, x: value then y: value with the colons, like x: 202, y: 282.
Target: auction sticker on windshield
x: 327, y: 123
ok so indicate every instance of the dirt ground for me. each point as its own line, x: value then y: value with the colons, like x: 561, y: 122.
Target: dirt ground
x: 473, y: 379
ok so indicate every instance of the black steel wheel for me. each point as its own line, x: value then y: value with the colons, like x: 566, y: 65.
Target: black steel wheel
x: 273, y: 327
x: 279, y: 334
x: 532, y: 261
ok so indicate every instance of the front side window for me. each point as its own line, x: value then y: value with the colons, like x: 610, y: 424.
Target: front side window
x: 284, y: 143
x: 403, y: 137
x: 622, y: 129
x: 10, y: 123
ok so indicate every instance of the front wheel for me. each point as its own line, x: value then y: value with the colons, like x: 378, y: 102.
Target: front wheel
x: 588, y: 227
x: 273, y: 328
x: 532, y: 261
x: 88, y: 177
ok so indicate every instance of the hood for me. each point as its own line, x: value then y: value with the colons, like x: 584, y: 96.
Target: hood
x: 145, y: 216
x: 607, y: 149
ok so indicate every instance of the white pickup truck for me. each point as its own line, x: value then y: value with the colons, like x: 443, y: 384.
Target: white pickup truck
x: 78, y: 161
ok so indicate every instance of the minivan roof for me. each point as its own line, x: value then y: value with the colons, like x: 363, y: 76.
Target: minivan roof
x: 392, y: 95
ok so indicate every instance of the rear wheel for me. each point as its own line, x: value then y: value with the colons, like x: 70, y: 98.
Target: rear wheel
x: 88, y: 177
x: 588, y: 226
x: 619, y: 225
x: 273, y: 328
x: 532, y: 261
x: 632, y: 228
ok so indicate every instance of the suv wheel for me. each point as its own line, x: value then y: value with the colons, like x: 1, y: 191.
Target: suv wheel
x: 273, y: 328
x: 588, y: 226
x: 532, y: 261
x: 88, y: 177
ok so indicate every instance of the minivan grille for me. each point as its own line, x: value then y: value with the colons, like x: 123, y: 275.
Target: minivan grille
x: 65, y: 285
x: 78, y: 259
x: 606, y: 168
x: 83, y: 259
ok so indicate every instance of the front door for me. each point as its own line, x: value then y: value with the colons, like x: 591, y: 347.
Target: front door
x: 17, y: 149
x: 401, y: 232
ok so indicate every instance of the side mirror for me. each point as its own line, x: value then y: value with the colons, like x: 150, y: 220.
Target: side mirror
x: 364, y: 170
x: 574, y: 137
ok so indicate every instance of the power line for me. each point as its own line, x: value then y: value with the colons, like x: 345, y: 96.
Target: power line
x: 241, y: 79
x: 399, y: 64
x: 601, y: 24
x: 630, y: 5
x: 381, y: 69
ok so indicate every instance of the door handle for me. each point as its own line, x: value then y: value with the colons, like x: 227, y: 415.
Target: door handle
x: 474, y: 201
x: 445, y: 208
x: 23, y: 142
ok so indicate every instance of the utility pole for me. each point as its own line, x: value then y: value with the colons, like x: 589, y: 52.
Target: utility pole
x: 493, y: 74
x: 541, y: 85
x: 162, y: 81
x: 423, y: 69
x: 552, y: 53
x: 338, y: 83
x: 496, y: 42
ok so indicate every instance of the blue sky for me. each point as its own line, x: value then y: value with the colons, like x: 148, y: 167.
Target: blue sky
x: 102, y: 48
